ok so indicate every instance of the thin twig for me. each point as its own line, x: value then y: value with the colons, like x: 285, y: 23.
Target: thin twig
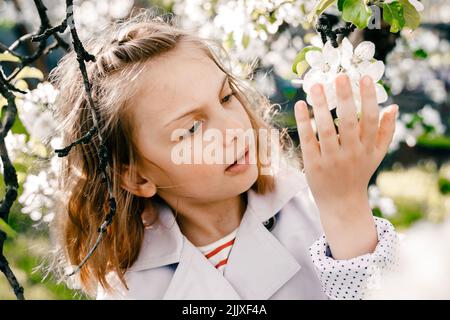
x: 82, y: 57
x: 326, y: 31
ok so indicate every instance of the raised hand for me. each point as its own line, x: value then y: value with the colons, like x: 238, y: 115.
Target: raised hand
x: 338, y: 167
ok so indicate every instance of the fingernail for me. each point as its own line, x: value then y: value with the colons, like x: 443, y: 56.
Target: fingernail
x: 394, y: 110
x: 299, y: 104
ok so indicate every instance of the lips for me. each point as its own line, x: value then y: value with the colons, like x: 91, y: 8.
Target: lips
x: 240, y: 157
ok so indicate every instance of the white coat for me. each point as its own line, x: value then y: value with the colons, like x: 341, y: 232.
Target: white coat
x: 262, y: 264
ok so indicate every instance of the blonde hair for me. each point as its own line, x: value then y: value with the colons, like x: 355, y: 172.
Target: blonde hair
x: 121, y: 51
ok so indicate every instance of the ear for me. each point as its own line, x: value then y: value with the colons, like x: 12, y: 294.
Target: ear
x: 139, y: 186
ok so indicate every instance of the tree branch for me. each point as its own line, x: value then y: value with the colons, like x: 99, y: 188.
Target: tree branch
x: 7, y: 90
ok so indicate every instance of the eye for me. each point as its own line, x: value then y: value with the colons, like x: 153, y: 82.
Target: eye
x: 194, y: 128
x: 229, y: 97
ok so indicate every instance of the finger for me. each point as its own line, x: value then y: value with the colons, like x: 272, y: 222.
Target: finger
x: 308, y: 142
x: 346, y: 110
x: 328, y: 140
x: 370, y: 112
x: 386, y: 130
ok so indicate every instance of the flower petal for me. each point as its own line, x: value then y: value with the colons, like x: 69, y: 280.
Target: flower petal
x: 311, y: 77
x: 309, y: 99
x: 381, y: 93
x: 314, y: 58
x: 375, y: 70
x: 331, y: 56
x: 365, y: 50
x: 417, y: 5
x: 346, y: 53
x: 330, y: 93
x: 354, y: 74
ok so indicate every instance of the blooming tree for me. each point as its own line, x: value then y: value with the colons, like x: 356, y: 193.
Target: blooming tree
x: 298, y: 38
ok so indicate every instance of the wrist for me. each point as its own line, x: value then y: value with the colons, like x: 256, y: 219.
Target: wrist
x: 347, y: 208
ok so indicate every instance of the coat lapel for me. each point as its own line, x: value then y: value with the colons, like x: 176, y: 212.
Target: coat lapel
x: 196, y: 278
x: 258, y: 264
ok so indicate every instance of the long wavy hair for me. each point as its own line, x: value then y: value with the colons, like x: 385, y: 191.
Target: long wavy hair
x: 121, y: 50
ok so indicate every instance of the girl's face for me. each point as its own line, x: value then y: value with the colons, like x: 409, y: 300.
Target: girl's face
x: 181, y: 97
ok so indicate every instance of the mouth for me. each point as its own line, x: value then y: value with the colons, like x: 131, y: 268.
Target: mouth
x: 243, y: 156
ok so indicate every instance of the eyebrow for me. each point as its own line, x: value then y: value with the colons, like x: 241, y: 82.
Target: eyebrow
x: 223, y: 82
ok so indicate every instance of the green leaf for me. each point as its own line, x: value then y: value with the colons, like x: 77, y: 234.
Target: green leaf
x: 245, y: 40
x: 444, y: 185
x: 229, y: 41
x: 356, y: 12
x: 300, y: 58
x: 262, y: 26
x: 412, y: 17
x: 10, y: 232
x: 393, y: 14
x: 434, y: 141
x: 319, y: 8
x: 8, y: 57
x: 18, y: 127
x: 420, y: 54
x: 272, y: 18
x: 340, y: 5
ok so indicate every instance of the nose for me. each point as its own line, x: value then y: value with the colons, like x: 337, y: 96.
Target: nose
x: 230, y: 138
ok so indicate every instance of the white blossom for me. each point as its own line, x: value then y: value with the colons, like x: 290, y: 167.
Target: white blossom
x: 409, y: 135
x: 324, y: 69
x: 329, y: 62
x: 432, y: 118
x: 404, y: 70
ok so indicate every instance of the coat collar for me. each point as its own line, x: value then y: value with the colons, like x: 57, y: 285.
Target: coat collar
x: 249, y: 273
x: 163, y: 244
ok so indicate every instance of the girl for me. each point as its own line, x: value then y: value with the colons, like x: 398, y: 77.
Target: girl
x: 213, y: 231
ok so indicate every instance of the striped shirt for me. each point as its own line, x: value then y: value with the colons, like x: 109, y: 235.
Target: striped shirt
x: 217, y: 252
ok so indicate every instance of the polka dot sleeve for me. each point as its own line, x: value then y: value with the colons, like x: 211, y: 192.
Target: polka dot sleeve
x: 350, y: 279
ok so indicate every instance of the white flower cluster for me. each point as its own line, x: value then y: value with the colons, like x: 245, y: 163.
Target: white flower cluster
x: 35, y: 110
x: 249, y: 27
x: 406, y: 69
x: 39, y: 189
x: 328, y: 62
x: 91, y: 15
x: 407, y: 130
x: 37, y: 198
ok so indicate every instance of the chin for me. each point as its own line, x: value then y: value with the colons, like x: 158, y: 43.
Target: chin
x: 243, y: 181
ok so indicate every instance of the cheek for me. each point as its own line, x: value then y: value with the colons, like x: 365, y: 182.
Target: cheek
x: 200, y: 181
x: 242, y: 115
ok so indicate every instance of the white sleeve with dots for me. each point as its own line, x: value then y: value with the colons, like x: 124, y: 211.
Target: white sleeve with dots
x: 350, y: 279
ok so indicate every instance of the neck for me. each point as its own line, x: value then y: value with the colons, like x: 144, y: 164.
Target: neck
x: 204, y: 223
